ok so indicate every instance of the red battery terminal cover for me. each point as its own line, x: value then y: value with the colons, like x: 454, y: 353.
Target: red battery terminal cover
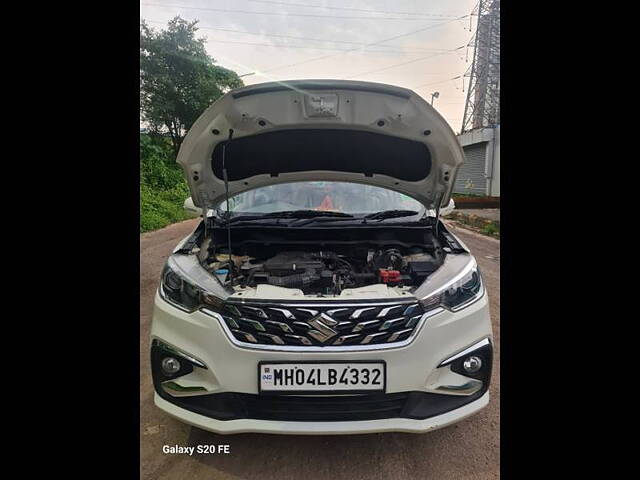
x: 389, y: 276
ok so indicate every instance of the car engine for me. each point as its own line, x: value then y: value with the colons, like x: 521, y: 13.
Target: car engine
x: 326, y: 272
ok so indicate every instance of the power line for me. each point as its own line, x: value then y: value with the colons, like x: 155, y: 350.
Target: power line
x: 276, y: 35
x: 215, y: 40
x: 317, y: 47
x: 249, y: 12
x: 327, y: 7
x: 435, y: 83
x: 368, y: 45
x: 403, y: 63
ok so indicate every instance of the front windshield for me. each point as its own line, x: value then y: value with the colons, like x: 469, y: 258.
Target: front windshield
x: 342, y: 197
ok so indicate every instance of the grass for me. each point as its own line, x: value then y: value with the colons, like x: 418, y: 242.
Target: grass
x: 160, y: 208
x: 476, y: 223
x: 492, y: 228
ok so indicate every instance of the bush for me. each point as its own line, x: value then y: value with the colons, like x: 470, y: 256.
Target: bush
x: 492, y: 228
x: 477, y: 223
x: 162, y: 185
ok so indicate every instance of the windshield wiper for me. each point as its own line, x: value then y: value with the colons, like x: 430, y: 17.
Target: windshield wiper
x: 390, y: 214
x: 307, y: 214
x: 291, y: 214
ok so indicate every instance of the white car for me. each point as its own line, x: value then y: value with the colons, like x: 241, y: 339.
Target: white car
x: 325, y: 296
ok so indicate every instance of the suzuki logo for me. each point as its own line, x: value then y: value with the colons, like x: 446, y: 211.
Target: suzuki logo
x: 322, y: 330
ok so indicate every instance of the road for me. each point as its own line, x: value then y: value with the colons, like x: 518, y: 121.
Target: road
x: 466, y: 450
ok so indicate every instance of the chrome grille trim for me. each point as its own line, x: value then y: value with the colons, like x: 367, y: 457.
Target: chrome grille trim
x: 308, y: 347
x: 248, y: 336
x: 413, y: 321
x: 385, y: 311
x: 397, y: 334
x: 360, y: 311
x: 300, y: 338
x: 287, y: 313
x: 274, y: 338
x: 390, y: 323
x: 260, y: 312
x: 344, y: 338
x: 362, y: 325
x: 281, y: 325
x: 368, y: 338
x: 333, y: 311
x: 256, y: 324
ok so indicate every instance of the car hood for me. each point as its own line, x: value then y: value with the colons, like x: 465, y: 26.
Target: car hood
x: 321, y: 130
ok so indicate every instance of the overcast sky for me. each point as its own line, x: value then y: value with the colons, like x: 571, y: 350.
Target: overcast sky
x: 338, y: 40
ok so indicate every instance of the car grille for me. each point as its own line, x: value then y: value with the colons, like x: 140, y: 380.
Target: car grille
x: 329, y: 408
x: 322, y: 325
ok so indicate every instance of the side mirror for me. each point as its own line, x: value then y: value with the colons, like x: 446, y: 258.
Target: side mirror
x: 191, y: 209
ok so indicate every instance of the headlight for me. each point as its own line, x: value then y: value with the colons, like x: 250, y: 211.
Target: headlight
x: 185, y: 294
x: 464, y: 291
x: 459, y: 293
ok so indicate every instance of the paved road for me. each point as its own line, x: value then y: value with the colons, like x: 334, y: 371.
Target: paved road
x: 466, y: 450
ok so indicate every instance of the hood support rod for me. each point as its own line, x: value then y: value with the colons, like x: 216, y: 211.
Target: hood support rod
x: 226, y: 196
x: 437, y: 219
x: 437, y: 250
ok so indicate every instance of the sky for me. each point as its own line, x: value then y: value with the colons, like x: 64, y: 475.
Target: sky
x: 416, y: 44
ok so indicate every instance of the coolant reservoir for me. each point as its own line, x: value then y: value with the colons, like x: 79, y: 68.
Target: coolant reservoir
x: 221, y: 274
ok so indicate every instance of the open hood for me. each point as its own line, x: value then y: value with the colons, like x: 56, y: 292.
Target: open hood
x: 321, y: 130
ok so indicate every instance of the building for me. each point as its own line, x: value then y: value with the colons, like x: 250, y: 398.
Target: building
x: 480, y: 173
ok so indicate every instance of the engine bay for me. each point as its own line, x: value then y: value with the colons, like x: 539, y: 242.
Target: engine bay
x: 319, y: 269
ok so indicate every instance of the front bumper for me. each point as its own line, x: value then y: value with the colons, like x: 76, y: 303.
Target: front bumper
x: 322, y: 428
x: 232, y: 369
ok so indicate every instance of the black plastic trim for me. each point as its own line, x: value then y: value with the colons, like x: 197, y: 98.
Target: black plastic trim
x: 319, y: 86
x: 235, y: 406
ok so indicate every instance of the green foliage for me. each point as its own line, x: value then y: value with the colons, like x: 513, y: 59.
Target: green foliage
x: 158, y: 168
x: 162, y: 186
x: 492, y: 228
x: 476, y: 223
x: 160, y: 208
x: 178, y: 79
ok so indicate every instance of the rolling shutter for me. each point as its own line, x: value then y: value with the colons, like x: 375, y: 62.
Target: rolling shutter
x: 471, y: 177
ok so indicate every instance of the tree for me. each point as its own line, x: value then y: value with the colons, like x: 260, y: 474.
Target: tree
x: 178, y: 78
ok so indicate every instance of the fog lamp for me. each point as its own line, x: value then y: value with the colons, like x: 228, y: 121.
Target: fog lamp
x: 472, y: 364
x: 170, y: 365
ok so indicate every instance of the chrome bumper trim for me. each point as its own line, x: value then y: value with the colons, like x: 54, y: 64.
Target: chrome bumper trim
x: 466, y: 351
x: 179, y: 353
x: 469, y: 388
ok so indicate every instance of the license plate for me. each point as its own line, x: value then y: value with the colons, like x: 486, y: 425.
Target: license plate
x: 309, y: 377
